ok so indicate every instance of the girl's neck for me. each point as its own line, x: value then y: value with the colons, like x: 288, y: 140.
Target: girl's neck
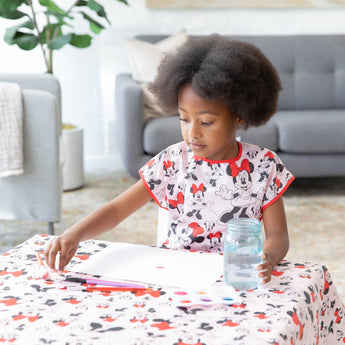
x: 234, y: 154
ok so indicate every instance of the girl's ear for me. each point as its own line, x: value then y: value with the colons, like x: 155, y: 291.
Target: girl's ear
x: 240, y: 124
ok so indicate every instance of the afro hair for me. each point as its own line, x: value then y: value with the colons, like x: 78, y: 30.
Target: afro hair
x: 234, y: 73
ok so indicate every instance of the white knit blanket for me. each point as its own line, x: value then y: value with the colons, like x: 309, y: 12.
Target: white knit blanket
x: 11, y: 130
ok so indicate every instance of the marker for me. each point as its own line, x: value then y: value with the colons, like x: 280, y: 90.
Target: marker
x: 114, y: 289
x: 104, y: 289
x: 104, y: 282
x: 40, y: 261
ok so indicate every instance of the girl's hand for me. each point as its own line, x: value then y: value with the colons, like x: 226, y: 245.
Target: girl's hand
x: 266, y: 267
x: 66, y: 245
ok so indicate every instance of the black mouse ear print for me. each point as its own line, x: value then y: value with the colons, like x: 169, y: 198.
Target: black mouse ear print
x: 232, y: 169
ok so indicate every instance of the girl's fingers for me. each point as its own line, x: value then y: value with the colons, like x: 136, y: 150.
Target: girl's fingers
x: 63, y: 245
x: 265, y: 269
x: 266, y: 279
x: 51, y: 252
x: 65, y: 258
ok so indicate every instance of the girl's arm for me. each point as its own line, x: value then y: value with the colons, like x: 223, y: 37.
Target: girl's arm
x: 276, y: 244
x: 97, y: 222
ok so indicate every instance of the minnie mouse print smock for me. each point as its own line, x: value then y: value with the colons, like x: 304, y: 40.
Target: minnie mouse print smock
x: 201, y: 195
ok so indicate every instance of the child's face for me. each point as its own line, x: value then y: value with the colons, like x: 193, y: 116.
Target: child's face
x: 207, y: 127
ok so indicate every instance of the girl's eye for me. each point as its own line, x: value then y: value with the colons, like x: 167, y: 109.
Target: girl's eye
x: 206, y: 123
x: 182, y: 119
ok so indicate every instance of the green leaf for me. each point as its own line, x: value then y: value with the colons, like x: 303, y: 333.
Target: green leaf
x: 51, y: 6
x: 11, y: 14
x: 9, y: 35
x: 82, y: 3
x: 59, y: 42
x: 10, y: 5
x: 11, y: 32
x: 99, y: 9
x: 59, y: 16
x: 123, y: 1
x: 49, y: 31
x: 94, y: 26
x: 25, y: 41
x: 81, y: 41
x: 60, y: 23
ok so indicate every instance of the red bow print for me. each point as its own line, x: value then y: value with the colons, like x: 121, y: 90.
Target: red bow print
x: 139, y: 320
x: 278, y: 182
x: 338, y: 319
x: 162, y: 326
x: 269, y: 154
x: 197, y: 229
x: 14, y: 273
x: 167, y: 164
x: 217, y: 235
x: 235, y: 169
x: 175, y: 203
x: 195, y: 189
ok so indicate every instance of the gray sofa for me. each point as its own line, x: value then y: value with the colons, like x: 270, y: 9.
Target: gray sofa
x: 308, y: 130
x: 37, y: 193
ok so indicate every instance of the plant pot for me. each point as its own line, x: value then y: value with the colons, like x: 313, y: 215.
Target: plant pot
x: 73, y: 157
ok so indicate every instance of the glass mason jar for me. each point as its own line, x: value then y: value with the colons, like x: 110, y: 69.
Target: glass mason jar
x: 242, y: 253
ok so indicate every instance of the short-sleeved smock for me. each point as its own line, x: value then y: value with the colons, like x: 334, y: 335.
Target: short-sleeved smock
x: 201, y: 195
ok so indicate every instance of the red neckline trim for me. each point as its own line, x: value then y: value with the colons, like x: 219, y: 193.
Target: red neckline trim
x: 222, y: 161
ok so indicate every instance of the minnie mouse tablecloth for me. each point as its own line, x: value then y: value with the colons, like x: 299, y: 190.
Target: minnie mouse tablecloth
x: 299, y: 306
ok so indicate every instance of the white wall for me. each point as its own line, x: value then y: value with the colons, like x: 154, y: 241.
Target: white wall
x: 87, y: 76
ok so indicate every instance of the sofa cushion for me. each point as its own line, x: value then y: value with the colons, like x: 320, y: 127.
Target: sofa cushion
x: 151, y: 108
x: 145, y: 57
x: 160, y: 133
x: 265, y: 136
x: 311, y: 131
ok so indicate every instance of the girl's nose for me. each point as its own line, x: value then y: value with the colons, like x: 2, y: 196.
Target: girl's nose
x: 194, y: 131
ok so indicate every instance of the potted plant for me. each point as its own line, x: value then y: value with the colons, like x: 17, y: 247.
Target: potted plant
x: 44, y: 24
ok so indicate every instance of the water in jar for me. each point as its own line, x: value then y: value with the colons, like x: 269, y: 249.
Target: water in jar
x: 241, y: 266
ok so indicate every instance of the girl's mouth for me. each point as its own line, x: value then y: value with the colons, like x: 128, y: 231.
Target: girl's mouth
x: 196, y: 146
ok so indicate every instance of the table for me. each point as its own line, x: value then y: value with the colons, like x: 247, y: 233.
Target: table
x: 299, y: 306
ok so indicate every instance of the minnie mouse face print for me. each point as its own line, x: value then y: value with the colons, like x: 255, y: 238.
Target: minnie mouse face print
x: 170, y: 172
x: 198, y: 202
x: 243, y: 197
x: 216, y: 173
x: 183, y: 236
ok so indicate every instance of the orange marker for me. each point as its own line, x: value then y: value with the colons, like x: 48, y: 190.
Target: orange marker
x: 46, y: 273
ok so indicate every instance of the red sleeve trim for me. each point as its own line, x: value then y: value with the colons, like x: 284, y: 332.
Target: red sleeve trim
x: 279, y: 195
x: 150, y: 191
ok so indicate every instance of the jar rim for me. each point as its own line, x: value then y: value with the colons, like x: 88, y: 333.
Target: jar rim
x: 245, y: 224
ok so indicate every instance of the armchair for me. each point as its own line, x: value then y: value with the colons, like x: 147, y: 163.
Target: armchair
x: 37, y: 193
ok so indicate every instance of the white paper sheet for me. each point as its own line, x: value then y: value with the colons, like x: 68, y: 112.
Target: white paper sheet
x: 140, y: 263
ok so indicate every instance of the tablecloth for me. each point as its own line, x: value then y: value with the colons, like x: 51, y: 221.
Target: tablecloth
x: 299, y: 306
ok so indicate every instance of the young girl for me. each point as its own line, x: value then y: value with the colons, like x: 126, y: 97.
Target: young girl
x: 217, y: 86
